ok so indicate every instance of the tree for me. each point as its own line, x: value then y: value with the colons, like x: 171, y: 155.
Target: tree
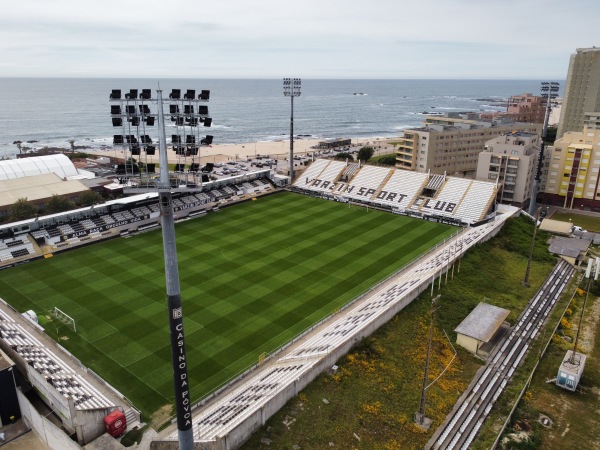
x: 365, y: 153
x: 18, y: 144
x: 343, y: 156
x: 72, y: 142
x: 58, y: 204
x: 387, y: 160
x: 22, y: 209
x: 89, y: 198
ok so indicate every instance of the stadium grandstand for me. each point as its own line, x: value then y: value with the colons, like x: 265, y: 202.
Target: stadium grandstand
x: 29, y: 239
x: 81, y: 404
x: 458, y: 201
x: 228, y: 416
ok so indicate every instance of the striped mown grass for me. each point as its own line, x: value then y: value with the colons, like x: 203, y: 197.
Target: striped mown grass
x: 253, y: 276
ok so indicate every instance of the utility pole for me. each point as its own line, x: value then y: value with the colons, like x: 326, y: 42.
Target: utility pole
x: 420, y: 419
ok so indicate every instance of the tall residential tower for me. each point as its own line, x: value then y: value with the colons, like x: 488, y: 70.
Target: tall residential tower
x: 582, y: 91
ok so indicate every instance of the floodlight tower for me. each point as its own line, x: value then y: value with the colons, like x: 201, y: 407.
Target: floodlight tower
x: 291, y: 88
x: 187, y: 118
x: 549, y: 91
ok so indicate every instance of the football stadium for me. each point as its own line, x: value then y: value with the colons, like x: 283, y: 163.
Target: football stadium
x: 276, y: 285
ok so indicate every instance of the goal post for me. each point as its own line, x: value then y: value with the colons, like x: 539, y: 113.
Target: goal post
x: 65, y: 318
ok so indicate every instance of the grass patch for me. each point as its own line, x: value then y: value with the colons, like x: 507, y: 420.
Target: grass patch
x: 586, y: 222
x: 375, y: 159
x: 252, y: 277
x: 371, y: 400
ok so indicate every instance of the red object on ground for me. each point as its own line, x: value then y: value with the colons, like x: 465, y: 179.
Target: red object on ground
x: 115, y: 423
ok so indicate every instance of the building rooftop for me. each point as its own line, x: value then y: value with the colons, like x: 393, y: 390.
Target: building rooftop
x: 483, y: 322
x: 37, y: 187
x: 567, y: 246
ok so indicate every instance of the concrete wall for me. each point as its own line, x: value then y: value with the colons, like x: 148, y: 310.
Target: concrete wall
x: 47, y: 432
x: 467, y: 342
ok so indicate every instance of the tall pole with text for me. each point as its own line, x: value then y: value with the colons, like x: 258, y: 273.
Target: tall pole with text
x: 178, y: 354
x: 291, y: 88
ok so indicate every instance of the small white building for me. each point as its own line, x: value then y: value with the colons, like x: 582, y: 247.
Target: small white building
x: 480, y: 326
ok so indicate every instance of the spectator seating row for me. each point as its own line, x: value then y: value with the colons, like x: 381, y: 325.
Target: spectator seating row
x: 52, y: 368
x: 457, y: 199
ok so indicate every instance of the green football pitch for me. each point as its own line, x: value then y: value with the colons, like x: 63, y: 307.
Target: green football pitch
x: 253, y: 276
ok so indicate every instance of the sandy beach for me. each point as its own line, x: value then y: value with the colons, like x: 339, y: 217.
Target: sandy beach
x: 273, y: 149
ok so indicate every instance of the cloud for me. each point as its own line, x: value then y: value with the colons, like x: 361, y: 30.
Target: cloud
x: 267, y: 38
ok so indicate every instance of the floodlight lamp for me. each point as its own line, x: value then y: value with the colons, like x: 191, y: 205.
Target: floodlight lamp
x: 117, y: 139
x: 115, y: 109
x: 207, y: 122
x: 133, y: 93
x: 188, y: 109
x: 207, y: 140
x: 115, y: 94
x: 178, y: 121
x: 175, y: 139
x: 192, y: 121
x: 173, y: 109
x: 135, y: 149
x: 190, y: 94
x: 150, y: 150
x: 204, y: 95
x: 190, y: 139
x: 117, y: 121
x: 146, y: 94
x: 175, y: 94
x: 202, y: 110
x: 135, y: 121
x: 150, y: 121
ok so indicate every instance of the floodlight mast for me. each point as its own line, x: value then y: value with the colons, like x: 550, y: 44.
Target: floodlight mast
x: 178, y: 353
x: 291, y: 88
x: 549, y: 91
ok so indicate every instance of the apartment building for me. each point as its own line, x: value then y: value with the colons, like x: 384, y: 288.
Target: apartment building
x: 452, y: 142
x: 571, y: 168
x: 511, y: 160
x: 582, y: 90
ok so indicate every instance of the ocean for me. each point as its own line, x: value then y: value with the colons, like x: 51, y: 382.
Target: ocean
x: 51, y: 111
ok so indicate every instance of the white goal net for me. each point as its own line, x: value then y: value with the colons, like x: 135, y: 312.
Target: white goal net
x: 65, y: 318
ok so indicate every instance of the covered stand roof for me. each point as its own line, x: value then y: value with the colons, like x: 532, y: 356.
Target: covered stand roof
x: 483, y: 322
x: 37, y: 165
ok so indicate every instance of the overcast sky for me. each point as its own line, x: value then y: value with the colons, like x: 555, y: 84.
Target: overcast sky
x: 519, y: 39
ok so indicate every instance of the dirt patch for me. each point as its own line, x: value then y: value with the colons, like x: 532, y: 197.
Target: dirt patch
x: 163, y: 414
x: 590, y: 325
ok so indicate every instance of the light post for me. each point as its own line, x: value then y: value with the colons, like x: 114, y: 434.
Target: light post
x: 549, y: 91
x: 291, y: 88
x: 420, y: 418
x: 133, y: 116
